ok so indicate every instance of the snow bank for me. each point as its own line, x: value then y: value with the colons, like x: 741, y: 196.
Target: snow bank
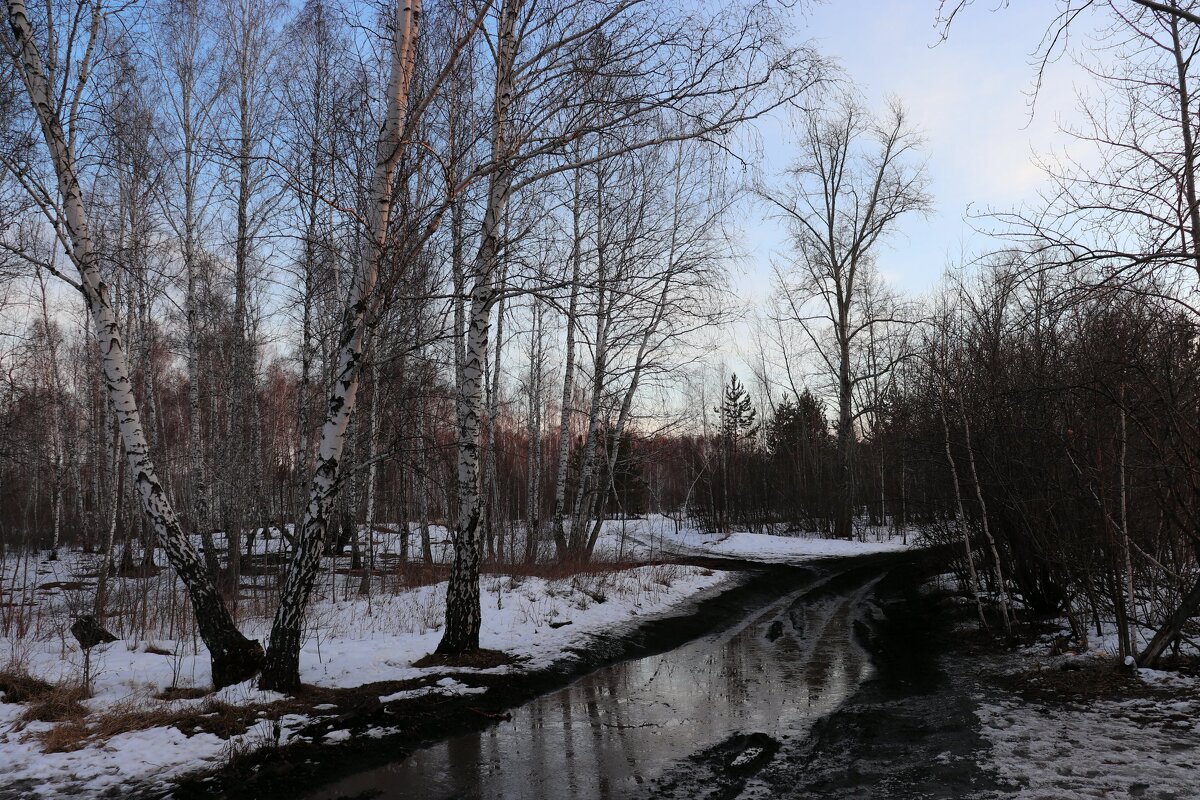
x: 659, y: 537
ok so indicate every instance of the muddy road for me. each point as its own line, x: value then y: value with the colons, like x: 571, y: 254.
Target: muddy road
x: 827, y: 681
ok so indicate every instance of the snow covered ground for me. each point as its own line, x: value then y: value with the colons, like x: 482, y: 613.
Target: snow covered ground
x: 659, y: 537
x: 129, y: 732
x: 354, y: 642
x: 1139, y: 740
x: 1108, y: 748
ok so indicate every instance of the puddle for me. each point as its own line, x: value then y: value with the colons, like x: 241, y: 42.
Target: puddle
x: 697, y: 721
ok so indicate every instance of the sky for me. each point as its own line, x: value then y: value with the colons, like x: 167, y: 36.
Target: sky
x: 970, y: 97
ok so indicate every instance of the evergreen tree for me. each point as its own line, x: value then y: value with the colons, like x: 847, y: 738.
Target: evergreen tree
x: 737, y: 415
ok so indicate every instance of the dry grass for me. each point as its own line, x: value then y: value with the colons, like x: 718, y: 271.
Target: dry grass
x: 480, y: 659
x: 182, y: 693
x: 19, y: 686
x: 58, y: 704
x: 135, y: 714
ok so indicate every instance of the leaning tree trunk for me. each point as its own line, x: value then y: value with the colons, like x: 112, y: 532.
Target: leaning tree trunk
x: 282, y: 669
x: 1171, y: 628
x: 623, y: 415
x: 462, y: 594
x: 234, y: 657
x: 960, y: 515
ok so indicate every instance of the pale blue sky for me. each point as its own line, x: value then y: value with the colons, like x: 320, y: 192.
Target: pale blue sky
x: 968, y: 94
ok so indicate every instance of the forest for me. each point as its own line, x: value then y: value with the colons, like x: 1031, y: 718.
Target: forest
x: 334, y: 301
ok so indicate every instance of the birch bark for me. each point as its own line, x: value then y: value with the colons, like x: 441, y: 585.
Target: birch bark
x: 568, y: 390
x: 234, y: 657
x: 282, y: 669
x: 462, y: 594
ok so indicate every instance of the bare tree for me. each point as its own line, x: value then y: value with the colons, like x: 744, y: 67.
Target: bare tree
x: 854, y: 180
x: 282, y: 668
x: 234, y: 657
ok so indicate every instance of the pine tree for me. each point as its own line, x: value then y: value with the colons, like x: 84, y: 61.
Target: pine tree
x: 737, y: 415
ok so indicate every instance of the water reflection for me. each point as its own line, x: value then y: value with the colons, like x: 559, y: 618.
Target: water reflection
x: 610, y: 732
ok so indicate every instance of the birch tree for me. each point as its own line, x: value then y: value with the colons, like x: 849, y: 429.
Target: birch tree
x: 233, y: 656
x: 184, y: 58
x: 282, y: 668
x: 739, y: 72
x: 248, y: 32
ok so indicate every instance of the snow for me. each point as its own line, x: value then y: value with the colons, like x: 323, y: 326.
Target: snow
x: 352, y: 640
x: 1139, y: 746
x: 659, y: 537
x: 1110, y: 748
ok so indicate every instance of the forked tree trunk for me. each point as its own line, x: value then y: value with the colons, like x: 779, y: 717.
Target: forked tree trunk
x: 998, y: 573
x: 234, y: 657
x: 577, y: 541
x: 960, y: 515
x: 282, y: 669
x: 623, y: 415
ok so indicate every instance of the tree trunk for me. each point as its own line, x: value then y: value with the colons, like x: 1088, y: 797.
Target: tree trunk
x: 960, y: 515
x: 462, y: 594
x: 843, y: 527
x: 282, y: 669
x: 564, y: 422
x: 983, y: 519
x: 533, y: 495
x: 1171, y: 629
x: 234, y: 657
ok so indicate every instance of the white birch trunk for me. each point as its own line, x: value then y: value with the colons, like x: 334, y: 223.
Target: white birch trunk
x: 534, y: 493
x: 568, y: 388
x: 282, y: 669
x: 960, y: 514
x: 1130, y: 615
x: 987, y: 530
x: 462, y: 594
x: 234, y: 657
x: 587, y: 466
x: 373, y: 479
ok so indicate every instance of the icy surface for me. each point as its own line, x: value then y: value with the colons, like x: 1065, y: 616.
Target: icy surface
x: 352, y: 642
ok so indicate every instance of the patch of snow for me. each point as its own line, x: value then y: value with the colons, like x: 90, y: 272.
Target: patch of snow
x: 1108, y: 748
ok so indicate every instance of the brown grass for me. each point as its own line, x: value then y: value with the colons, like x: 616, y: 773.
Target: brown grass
x: 215, y: 716
x: 65, y: 738
x: 58, y: 704
x: 480, y: 659
x: 21, y: 687
x: 182, y: 693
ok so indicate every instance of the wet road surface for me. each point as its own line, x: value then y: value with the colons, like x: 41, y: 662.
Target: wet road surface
x: 702, y: 720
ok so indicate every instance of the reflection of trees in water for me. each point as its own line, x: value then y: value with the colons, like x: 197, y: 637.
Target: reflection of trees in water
x: 611, y: 732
